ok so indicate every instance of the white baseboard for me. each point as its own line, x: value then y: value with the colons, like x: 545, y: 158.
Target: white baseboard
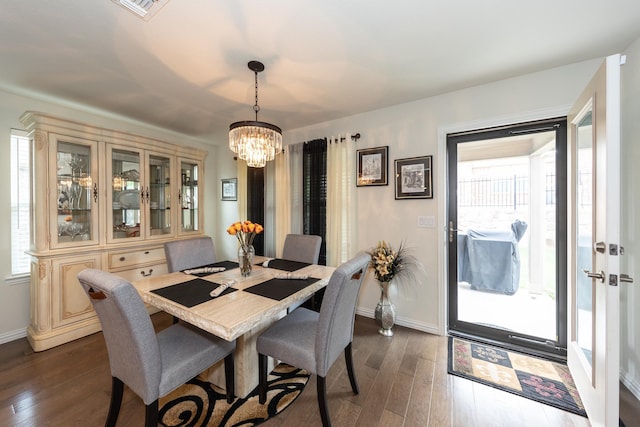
x: 630, y: 383
x: 419, y: 326
x: 13, y: 335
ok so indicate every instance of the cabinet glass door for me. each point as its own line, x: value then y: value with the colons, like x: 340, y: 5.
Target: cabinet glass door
x: 159, y: 195
x: 126, y: 194
x: 76, y: 192
x: 189, y: 197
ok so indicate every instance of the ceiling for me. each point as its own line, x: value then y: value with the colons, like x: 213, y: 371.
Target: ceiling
x: 186, y: 68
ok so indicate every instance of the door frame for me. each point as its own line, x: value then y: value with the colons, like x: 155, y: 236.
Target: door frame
x: 518, y: 341
x: 440, y: 187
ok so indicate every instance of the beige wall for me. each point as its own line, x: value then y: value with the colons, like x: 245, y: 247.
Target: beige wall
x: 417, y: 129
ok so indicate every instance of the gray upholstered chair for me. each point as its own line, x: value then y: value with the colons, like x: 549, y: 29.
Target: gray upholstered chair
x: 313, y: 341
x: 301, y: 248
x: 189, y: 253
x: 151, y: 365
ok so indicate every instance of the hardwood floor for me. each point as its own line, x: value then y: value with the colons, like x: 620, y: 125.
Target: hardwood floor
x: 403, y: 382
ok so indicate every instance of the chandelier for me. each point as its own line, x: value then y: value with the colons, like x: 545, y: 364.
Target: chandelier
x: 255, y: 142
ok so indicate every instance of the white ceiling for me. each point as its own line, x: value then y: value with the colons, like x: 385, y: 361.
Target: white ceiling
x: 186, y: 69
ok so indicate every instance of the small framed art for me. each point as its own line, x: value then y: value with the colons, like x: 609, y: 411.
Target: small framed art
x: 230, y: 189
x: 372, y: 165
x: 414, y: 178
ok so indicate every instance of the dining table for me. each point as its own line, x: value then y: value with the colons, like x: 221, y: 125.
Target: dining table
x: 242, y: 312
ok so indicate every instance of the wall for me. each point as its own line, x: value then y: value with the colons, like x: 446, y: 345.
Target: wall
x: 630, y: 296
x: 14, y: 294
x: 419, y: 128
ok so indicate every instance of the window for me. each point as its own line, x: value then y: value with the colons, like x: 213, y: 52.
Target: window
x: 20, y: 202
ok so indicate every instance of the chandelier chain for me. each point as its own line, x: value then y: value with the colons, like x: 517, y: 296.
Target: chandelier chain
x: 256, y: 107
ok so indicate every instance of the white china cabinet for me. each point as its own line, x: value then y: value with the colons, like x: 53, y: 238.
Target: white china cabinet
x: 101, y: 199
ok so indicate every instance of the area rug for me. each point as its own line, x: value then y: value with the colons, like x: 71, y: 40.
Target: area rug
x: 201, y: 403
x: 527, y: 376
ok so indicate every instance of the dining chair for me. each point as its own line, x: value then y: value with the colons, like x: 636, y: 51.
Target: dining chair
x: 301, y: 248
x: 189, y: 253
x: 313, y: 341
x: 151, y: 365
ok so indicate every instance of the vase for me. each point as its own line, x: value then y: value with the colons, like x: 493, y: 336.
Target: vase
x: 245, y: 259
x: 385, y: 311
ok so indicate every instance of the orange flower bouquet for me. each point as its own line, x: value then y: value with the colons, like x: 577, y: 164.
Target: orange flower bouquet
x: 245, y: 232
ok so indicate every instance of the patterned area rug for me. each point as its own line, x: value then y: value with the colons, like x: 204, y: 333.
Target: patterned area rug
x: 200, y: 403
x: 527, y: 376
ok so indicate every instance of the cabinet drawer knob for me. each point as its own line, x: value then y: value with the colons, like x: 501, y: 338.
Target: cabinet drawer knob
x: 147, y: 274
x: 122, y: 258
x: 146, y: 252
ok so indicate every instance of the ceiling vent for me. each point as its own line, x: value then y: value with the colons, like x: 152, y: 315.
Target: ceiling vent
x: 145, y: 9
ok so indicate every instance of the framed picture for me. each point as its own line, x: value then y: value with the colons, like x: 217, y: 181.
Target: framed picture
x: 372, y: 165
x: 414, y: 178
x: 229, y: 188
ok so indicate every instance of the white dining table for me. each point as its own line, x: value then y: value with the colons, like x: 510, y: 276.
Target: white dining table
x: 239, y: 315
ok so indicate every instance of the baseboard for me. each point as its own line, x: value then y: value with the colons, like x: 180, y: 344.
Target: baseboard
x: 13, y: 335
x: 631, y: 384
x: 402, y: 321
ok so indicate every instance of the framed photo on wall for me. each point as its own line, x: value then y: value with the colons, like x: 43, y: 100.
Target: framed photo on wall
x: 414, y: 178
x: 230, y: 189
x: 372, y: 165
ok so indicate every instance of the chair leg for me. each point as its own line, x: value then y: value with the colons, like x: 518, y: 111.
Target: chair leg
x: 151, y: 414
x: 322, y: 401
x: 262, y: 372
x: 352, y: 374
x: 175, y: 320
x: 229, y: 376
x: 117, y: 389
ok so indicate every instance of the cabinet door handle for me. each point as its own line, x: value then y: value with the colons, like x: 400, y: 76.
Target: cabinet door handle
x: 147, y: 194
x: 95, y: 192
x: 147, y: 274
x: 142, y: 196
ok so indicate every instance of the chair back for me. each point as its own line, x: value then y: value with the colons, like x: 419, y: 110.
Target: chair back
x: 134, y: 354
x: 189, y: 253
x: 302, y: 248
x: 337, y: 314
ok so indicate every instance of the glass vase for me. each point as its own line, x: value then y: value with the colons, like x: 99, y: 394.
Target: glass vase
x: 245, y: 259
x: 385, y: 311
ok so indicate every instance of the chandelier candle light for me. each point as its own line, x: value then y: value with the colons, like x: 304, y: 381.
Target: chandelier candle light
x: 245, y: 232
x: 388, y: 265
x: 255, y: 142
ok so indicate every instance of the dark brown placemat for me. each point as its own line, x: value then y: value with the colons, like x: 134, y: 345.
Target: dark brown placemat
x: 279, y: 289
x: 228, y: 265
x: 190, y: 293
x: 286, y: 265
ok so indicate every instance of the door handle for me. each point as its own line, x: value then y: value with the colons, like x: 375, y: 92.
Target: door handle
x: 599, y: 276
x: 625, y: 278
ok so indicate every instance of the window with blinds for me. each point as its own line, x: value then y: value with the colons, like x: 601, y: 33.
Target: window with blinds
x: 314, y: 192
x: 20, y: 202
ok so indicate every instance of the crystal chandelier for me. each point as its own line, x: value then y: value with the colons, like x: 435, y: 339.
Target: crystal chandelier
x: 255, y: 142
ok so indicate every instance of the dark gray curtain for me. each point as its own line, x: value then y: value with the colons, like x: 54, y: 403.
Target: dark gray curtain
x: 314, y: 192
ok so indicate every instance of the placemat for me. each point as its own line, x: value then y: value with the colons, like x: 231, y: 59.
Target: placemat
x: 190, y: 293
x: 286, y: 265
x: 279, y: 289
x: 228, y: 265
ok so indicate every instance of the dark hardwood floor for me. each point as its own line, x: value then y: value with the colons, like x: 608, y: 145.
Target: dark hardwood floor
x: 403, y: 382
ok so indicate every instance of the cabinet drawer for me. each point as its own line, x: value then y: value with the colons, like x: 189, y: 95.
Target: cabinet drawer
x: 131, y: 258
x: 142, y: 272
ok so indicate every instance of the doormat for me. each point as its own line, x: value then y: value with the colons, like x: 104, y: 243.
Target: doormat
x: 201, y: 403
x: 527, y: 376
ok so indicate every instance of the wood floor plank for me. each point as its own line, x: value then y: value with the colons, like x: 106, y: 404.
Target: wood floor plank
x: 403, y: 382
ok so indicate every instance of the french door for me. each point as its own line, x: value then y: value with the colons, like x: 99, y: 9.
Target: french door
x: 507, y: 235
x: 594, y: 235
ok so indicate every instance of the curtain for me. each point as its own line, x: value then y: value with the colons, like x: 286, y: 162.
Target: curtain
x: 288, y: 194
x: 242, y: 190
x: 314, y: 202
x: 341, y: 200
